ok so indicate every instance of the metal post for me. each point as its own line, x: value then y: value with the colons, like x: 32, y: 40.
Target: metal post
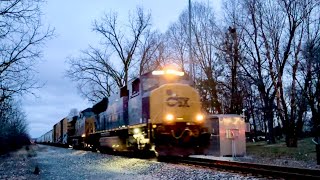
x: 190, y: 46
x: 318, y: 144
x: 316, y: 141
x: 318, y: 151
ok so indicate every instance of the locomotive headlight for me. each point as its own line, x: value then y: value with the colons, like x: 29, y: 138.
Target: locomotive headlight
x: 169, y: 117
x: 199, y: 118
x: 136, y: 130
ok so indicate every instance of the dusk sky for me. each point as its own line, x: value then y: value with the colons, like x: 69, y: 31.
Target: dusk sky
x: 72, y: 21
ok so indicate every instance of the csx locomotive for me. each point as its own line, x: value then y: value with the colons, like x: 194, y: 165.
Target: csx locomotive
x: 159, y: 111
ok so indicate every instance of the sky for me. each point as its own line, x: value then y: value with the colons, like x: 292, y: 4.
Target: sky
x: 72, y: 21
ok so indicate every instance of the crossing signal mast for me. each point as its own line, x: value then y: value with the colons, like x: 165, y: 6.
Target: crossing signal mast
x: 191, y: 68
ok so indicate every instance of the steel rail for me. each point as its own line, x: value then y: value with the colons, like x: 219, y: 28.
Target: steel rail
x: 252, y: 168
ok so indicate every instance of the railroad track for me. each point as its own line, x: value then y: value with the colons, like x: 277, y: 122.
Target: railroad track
x: 241, y: 167
x: 250, y: 168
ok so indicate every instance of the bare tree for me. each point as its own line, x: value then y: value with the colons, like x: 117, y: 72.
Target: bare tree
x: 152, y: 52
x: 296, y: 15
x: 256, y: 65
x: 176, y: 40
x: 272, y: 40
x: 203, y: 50
x: 124, y: 45
x: 94, y: 74
x: 233, y: 86
x: 99, y: 70
x: 21, y: 36
x: 309, y: 72
x: 13, y: 126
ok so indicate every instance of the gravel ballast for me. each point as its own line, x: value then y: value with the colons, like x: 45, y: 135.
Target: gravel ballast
x: 61, y: 163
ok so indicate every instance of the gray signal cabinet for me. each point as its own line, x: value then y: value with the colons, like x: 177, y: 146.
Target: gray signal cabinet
x: 227, y: 135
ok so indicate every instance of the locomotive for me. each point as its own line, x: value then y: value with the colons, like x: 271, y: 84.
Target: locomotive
x: 159, y: 111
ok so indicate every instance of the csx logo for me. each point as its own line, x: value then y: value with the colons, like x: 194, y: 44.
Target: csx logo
x: 178, y: 101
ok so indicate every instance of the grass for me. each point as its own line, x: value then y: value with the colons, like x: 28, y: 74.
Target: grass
x: 31, y: 152
x: 27, y: 151
x: 306, y: 150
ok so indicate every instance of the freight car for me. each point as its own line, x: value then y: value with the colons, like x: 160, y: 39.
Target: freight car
x: 46, y: 138
x: 60, y: 132
x: 158, y: 111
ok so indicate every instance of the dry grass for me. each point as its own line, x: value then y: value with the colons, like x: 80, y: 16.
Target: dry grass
x: 306, y: 150
x: 18, y: 164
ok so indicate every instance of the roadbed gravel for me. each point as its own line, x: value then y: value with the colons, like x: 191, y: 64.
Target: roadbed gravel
x: 63, y: 163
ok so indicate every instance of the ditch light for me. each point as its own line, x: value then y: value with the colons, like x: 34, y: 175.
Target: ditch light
x: 168, y: 72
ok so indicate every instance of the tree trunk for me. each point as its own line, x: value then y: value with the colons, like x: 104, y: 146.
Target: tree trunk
x: 271, y: 139
x: 269, y: 119
x: 299, y: 127
x: 254, y: 124
x: 291, y: 137
x: 214, y: 97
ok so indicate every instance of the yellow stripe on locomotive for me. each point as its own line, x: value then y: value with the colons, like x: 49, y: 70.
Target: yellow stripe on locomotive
x: 175, y: 102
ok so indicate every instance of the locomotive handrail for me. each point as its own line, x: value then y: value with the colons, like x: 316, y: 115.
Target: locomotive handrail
x: 173, y: 134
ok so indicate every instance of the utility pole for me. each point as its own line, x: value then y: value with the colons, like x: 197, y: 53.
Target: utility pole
x: 190, y: 46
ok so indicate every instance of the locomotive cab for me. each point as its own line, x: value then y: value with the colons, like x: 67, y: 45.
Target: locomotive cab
x: 177, y: 120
